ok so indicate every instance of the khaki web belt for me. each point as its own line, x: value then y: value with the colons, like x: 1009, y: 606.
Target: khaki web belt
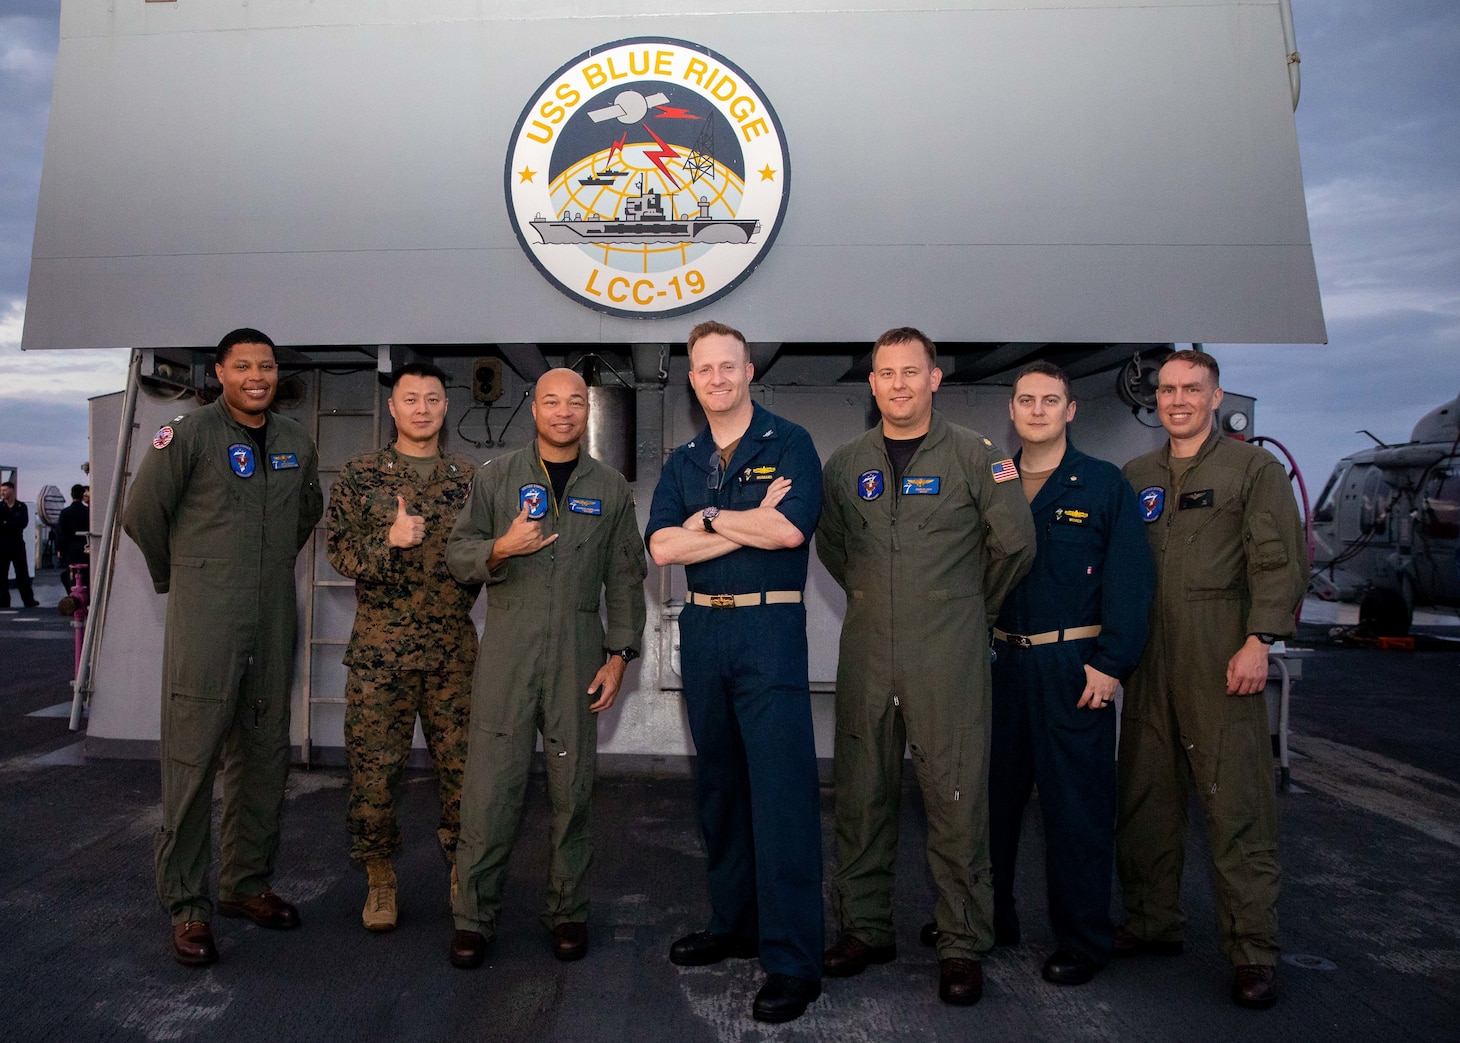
x: 1049, y: 637
x: 770, y: 597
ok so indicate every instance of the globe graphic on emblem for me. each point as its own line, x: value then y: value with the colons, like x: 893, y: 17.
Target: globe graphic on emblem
x: 619, y: 180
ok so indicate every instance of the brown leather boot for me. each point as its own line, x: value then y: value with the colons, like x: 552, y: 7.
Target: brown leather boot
x: 379, y: 912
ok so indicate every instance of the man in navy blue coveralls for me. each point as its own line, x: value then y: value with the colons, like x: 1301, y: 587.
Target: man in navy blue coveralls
x: 1070, y: 631
x: 736, y: 506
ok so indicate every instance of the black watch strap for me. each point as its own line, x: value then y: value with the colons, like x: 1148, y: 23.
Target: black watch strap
x: 1266, y: 639
x: 628, y: 655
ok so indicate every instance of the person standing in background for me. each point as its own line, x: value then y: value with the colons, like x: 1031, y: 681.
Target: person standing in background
x: 14, y: 520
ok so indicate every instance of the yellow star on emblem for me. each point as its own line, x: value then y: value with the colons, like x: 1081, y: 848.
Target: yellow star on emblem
x: 525, y: 175
x: 767, y: 174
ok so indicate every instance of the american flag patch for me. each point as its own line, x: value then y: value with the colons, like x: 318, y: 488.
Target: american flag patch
x: 1005, y: 471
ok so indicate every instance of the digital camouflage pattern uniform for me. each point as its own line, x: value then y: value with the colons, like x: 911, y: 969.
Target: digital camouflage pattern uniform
x: 1230, y: 561
x: 220, y: 526
x: 413, y: 645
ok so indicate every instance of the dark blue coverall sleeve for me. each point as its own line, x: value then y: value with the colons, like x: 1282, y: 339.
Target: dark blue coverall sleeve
x: 1126, y: 587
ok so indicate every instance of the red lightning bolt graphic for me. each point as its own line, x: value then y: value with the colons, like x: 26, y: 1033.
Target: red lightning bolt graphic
x: 668, y: 112
x: 618, y: 146
x: 665, y: 152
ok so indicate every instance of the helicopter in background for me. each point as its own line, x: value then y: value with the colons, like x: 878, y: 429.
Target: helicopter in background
x: 1386, y: 529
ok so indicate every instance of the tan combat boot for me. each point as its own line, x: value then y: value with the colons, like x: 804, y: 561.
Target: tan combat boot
x: 379, y: 914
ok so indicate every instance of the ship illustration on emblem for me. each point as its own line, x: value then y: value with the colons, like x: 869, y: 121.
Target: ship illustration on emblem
x: 645, y: 221
x: 647, y: 177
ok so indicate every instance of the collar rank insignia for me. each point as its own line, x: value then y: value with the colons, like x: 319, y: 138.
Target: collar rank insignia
x: 240, y: 458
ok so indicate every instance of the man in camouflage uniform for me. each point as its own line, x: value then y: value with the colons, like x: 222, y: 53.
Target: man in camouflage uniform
x: 413, y: 645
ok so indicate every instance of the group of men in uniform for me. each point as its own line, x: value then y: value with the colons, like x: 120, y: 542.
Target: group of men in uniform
x: 941, y: 542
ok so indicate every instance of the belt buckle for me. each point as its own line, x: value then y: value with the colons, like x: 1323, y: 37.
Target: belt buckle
x: 722, y: 600
x: 1020, y: 641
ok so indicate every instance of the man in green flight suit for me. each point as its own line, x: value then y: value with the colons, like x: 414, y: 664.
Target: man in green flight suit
x: 413, y: 644
x: 220, y: 508
x: 1231, y: 569
x: 925, y: 526
x: 550, y: 530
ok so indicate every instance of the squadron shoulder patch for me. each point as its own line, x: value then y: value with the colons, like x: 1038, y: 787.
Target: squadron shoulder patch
x: 1005, y: 471
x: 869, y: 485
x: 240, y: 458
x: 163, y: 438
x: 534, y: 497
x: 1153, y: 500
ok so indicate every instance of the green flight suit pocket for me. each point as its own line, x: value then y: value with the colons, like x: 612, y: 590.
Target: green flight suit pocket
x: 944, y: 765
x: 201, y: 657
x: 193, y: 727
x: 1213, y: 556
x: 1266, y: 550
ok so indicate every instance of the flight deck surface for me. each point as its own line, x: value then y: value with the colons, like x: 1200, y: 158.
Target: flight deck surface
x: 1369, y: 915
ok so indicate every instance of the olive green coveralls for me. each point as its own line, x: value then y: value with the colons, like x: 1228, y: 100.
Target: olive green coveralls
x: 220, y: 526
x: 925, y: 574
x: 1230, y: 561
x: 544, y: 640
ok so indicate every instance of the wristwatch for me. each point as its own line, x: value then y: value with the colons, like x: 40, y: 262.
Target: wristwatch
x: 628, y: 655
x: 708, y: 516
x: 1266, y: 639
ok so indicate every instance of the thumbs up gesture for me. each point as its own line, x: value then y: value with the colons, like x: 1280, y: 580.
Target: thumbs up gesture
x: 408, y: 530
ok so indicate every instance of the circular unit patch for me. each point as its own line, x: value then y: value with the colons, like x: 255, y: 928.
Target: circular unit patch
x: 647, y: 177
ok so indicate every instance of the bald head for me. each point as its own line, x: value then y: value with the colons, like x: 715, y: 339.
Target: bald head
x: 560, y: 381
x: 560, y: 411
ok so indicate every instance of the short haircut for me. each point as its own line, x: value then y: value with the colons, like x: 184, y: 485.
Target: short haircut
x: 7, y: 484
x: 906, y: 335
x: 1048, y: 369
x: 78, y: 491
x: 711, y: 328
x: 418, y: 369
x: 1197, y: 358
x: 242, y: 335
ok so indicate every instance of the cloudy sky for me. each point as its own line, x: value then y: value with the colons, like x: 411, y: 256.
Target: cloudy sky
x: 1379, y: 128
